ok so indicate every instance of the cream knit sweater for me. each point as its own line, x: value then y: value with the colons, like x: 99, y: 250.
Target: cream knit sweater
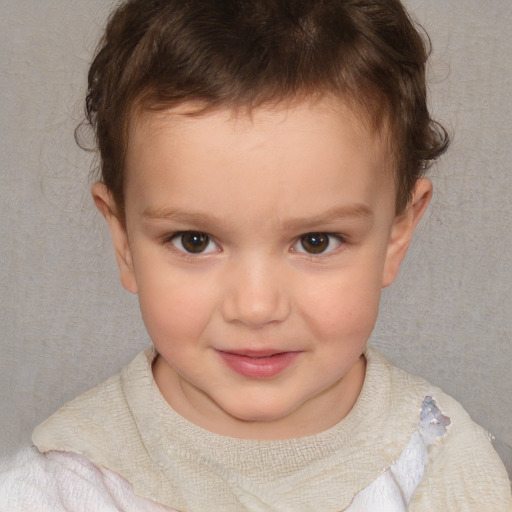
x: 125, y: 425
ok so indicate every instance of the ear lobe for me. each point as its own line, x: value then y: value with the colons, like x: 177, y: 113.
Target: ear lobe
x: 403, y: 229
x: 106, y: 205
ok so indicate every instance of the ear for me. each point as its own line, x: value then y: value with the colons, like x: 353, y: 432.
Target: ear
x: 403, y: 229
x: 106, y: 205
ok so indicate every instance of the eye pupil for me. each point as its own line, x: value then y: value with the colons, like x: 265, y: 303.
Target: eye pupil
x: 315, y: 243
x: 194, y: 242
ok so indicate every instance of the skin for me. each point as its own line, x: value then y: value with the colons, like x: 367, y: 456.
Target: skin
x: 256, y: 185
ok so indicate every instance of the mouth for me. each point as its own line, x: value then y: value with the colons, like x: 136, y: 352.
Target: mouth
x: 257, y: 364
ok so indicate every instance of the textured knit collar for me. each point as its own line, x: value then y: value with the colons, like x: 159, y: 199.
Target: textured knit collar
x: 327, y: 468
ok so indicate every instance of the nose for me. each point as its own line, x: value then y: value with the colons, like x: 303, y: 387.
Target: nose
x: 255, y: 294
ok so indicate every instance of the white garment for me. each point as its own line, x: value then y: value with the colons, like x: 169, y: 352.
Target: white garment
x: 393, y: 490
x: 65, y: 482
x: 68, y: 482
x: 126, y: 425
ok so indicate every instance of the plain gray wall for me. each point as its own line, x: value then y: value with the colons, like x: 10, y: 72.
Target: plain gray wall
x: 66, y: 323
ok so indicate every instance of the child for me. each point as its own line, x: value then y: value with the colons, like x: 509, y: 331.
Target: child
x: 262, y: 176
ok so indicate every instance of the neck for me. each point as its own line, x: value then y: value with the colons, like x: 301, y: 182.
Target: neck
x: 313, y: 416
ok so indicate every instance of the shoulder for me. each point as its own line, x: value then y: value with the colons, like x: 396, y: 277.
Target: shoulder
x: 464, y: 473
x: 64, y: 482
x: 98, y: 424
x: 85, y: 418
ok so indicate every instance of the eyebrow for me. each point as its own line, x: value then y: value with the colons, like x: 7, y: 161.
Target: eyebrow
x: 200, y: 219
x: 184, y: 217
x: 354, y: 212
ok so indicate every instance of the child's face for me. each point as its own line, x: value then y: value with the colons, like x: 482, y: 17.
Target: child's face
x: 258, y: 247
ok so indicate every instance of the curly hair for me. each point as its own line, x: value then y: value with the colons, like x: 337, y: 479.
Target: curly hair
x: 157, y: 54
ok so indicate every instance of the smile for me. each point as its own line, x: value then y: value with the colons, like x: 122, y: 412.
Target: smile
x: 258, y: 364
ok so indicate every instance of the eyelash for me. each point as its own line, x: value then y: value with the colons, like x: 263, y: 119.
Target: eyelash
x: 315, y: 239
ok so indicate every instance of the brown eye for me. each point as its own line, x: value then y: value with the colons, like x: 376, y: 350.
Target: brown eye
x: 194, y: 242
x: 315, y: 243
x: 318, y: 243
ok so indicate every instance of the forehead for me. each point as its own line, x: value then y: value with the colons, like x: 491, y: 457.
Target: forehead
x: 291, y: 145
x: 290, y: 117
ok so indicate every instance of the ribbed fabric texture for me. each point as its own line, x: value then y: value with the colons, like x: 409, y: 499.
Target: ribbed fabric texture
x: 126, y: 425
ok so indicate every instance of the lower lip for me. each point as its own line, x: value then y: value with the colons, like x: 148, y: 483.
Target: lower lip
x: 258, y: 367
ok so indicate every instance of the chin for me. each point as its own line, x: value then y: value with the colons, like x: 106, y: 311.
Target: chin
x: 252, y: 411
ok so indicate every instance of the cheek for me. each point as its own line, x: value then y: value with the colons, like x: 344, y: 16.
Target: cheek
x: 343, y: 306
x: 174, y: 308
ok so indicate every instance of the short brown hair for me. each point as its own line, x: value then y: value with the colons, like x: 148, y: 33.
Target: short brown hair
x: 157, y: 54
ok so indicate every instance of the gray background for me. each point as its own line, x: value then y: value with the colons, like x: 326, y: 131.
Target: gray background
x: 65, y: 322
